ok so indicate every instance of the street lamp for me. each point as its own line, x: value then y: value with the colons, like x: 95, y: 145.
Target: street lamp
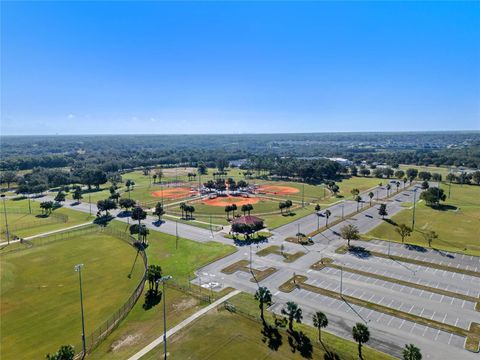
x: 78, y: 268
x: 162, y: 280
x: 414, y: 200
x: 6, y: 221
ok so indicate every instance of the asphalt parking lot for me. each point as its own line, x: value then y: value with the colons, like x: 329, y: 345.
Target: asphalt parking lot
x: 388, y: 333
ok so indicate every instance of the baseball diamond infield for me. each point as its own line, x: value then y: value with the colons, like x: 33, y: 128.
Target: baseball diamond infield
x: 277, y: 190
x: 175, y: 193
x: 229, y: 200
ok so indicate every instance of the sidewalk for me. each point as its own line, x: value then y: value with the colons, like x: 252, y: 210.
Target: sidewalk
x: 181, y: 325
x: 46, y: 233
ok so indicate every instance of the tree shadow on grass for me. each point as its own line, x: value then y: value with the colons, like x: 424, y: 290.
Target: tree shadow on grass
x: 151, y: 299
x: 103, y: 220
x: 300, y: 342
x: 271, y: 336
x: 444, y: 207
x: 391, y: 222
x: 359, y: 252
x: 417, y: 248
x: 330, y: 355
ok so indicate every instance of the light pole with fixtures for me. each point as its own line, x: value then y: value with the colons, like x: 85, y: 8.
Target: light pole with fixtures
x: 162, y: 280
x: 6, y: 221
x: 78, y: 268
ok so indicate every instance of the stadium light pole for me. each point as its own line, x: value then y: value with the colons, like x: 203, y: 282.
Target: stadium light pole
x: 413, y: 214
x: 78, y: 268
x: 163, y: 279
x: 6, y: 220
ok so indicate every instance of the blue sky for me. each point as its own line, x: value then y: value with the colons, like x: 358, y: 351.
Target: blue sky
x: 218, y: 67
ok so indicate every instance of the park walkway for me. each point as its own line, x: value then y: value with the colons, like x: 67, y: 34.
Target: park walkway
x: 46, y: 233
x: 181, y: 325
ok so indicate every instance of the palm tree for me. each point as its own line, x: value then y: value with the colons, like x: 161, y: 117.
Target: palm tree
x: 281, y: 206
x: 183, y: 207
x: 244, y: 209
x: 264, y: 297
x: 327, y: 215
x: 397, y: 184
x: 350, y: 232
x: 411, y: 352
x: 234, y: 207
x: 317, y: 208
x: 371, y: 195
x: 139, y: 214
x: 382, y: 211
x: 228, y: 208
x: 293, y: 312
x: 388, y: 189
x: 359, y: 200
x: 404, y: 182
x: 361, y: 335
x: 320, y: 321
x: 159, y: 211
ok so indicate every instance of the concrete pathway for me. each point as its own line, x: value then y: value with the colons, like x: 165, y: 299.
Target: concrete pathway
x: 46, y: 233
x: 181, y: 325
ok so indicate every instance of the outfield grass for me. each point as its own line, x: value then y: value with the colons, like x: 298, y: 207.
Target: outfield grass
x: 456, y: 224
x: 40, y: 295
x: 142, y: 326
x: 37, y: 224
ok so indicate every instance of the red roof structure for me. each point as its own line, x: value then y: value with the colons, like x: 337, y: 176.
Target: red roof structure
x: 247, y: 220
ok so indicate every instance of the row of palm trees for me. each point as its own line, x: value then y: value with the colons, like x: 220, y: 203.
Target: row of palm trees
x: 293, y: 313
x: 188, y: 210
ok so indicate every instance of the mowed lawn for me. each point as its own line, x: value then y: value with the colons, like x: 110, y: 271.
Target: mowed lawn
x: 220, y: 334
x: 40, y: 306
x: 143, y: 326
x: 360, y: 183
x: 457, y: 224
x: 23, y: 224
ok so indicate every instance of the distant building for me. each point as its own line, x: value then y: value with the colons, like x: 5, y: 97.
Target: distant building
x: 237, y: 163
x: 341, y: 161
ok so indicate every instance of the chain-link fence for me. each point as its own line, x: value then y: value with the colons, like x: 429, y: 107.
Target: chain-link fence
x: 40, y: 219
x: 102, y: 331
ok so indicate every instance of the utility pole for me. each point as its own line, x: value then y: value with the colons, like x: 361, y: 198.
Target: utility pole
x: 303, y: 194
x: 90, y: 202
x: 414, y: 201
x: 318, y: 222
x: 251, y: 258
x: 6, y: 220
x: 343, y: 205
x: 78, y: 268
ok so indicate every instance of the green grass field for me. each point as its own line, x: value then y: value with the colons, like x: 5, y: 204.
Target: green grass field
x: 360, y: 183
x: 432, y: 169
x: 142, y: 326
x: 40, y: 292
x: 456, y: 224
x: 24, y: 224
x: 220, y: 335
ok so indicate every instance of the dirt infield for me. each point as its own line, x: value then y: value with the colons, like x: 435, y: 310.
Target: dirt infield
x: 229, y: 200
x: 277, y: 190
x: 175, y: 193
